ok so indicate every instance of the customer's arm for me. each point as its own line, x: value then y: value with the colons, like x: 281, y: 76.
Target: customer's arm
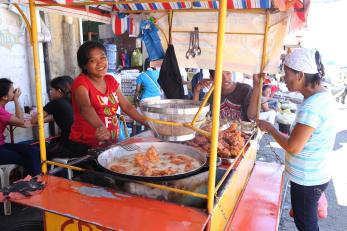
x: 18, y: 118
x: 294, y: 143
x: 137, y: 94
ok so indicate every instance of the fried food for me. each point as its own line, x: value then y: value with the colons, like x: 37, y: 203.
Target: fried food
x: 152, y: 155
x: 118, y: 168
x: 140, y: 160
x: 230, y: 142
x: 151, y: 163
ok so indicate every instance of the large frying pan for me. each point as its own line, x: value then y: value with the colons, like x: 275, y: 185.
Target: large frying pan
x: 110, y: 155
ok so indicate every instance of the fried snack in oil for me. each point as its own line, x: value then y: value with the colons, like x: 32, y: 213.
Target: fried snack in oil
x: 118, y: 168
x: 152, y: 155
x: 140, y: 160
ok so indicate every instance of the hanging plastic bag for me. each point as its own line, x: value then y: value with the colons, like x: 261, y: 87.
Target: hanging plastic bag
x: 152, y: 41
x: 170, y: 78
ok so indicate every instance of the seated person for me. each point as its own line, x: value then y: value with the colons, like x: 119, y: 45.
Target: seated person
x: 59, y: 109
x: 21, y: 154
x: 96, y: 97
x: 147, y: 86
x: 235, y: 98
x: 196, y: 79
x: 267, y: 112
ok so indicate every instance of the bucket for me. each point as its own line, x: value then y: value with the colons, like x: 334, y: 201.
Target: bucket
x: 111, y: 50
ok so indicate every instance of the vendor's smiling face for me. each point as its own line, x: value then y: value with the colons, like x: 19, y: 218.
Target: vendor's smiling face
x: 227, y: 82
x: 291, y: 79
x: 97, y: 63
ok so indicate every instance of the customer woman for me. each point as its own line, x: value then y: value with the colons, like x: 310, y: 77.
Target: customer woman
x: 96, y: 97
x: 312, y: 137
x: 22, y: 154
x: 59, y: 109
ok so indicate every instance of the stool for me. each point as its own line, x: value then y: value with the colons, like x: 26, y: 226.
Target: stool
x: 64, y: 161
x: 5, y: 172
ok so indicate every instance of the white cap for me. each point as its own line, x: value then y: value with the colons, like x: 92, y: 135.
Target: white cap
x: 302, y: 59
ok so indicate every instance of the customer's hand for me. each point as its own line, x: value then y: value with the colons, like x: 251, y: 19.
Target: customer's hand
x: 17, y: 92
x: 102, y: 134
x: 265, y: 126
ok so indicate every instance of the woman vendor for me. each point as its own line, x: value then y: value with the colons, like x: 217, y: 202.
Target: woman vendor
x: 96, y: 97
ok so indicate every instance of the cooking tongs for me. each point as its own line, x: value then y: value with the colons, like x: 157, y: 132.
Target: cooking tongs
x: 194, y: 47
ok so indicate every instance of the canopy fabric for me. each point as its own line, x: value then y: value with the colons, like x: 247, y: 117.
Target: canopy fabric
x: 232, y: 4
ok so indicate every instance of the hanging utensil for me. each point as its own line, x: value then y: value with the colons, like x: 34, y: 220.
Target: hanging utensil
x: 190, y: 53
x: 197, y: 49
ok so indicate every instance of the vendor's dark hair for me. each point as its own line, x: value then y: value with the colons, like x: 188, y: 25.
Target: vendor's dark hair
x: 63, y: 83
x: 83, y: 53
x: 313, y: 79
x: 5, y: 85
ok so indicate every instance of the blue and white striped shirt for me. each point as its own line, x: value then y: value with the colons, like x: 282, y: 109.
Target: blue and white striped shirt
x: 310, y: 166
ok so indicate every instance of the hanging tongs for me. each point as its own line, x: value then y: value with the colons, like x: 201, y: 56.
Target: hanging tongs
x: 196, y: 48
x: 191, y: 53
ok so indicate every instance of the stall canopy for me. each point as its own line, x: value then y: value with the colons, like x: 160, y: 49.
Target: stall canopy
x: 100, y: 12
x: 246, y: 33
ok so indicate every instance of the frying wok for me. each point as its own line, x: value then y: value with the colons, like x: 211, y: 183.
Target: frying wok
x: 106, y: 157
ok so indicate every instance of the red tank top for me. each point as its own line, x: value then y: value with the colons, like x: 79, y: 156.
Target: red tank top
x: 105, y: 105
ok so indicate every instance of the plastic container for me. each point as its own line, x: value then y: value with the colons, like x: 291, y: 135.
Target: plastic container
x: 111, y: 50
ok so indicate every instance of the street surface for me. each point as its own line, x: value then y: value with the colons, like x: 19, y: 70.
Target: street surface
x: 337, y: 189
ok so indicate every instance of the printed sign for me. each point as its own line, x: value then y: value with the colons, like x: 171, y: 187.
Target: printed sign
x: 56, y: 222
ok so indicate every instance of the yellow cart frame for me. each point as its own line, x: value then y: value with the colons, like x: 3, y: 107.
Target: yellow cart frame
x: 218, y: 215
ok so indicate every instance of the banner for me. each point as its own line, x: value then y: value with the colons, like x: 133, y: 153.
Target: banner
x: 244, y: 39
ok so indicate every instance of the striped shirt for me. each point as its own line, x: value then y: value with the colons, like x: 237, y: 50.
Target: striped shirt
x: 310, y: 166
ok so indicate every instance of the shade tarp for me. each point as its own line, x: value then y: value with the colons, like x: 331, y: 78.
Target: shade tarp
x: 243, y: 48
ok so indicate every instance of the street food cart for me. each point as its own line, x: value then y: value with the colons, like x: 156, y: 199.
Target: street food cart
x: 241, y: 194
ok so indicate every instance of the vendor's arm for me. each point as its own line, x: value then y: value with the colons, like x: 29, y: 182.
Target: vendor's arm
x: 129, y: 109
x: 89, y: 113
x: 253, y: 104
x: 203, y: 83
x: 295, y: 142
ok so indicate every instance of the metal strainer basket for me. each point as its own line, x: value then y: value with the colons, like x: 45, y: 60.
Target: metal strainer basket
x: 173, y: 110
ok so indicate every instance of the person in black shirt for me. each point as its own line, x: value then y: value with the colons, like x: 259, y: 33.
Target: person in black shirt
x: 59, y: 109
x: 235, y: 98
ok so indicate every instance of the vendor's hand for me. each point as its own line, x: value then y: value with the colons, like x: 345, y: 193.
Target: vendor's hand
x: 203, y: 83
x: 265, y: 126
x: 102, y: 134
x: 17, y: 92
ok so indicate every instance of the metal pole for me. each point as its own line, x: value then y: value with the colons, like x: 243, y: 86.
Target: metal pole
x: 263, y: 61
x: 216, y: 103
x: 32, y: 8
